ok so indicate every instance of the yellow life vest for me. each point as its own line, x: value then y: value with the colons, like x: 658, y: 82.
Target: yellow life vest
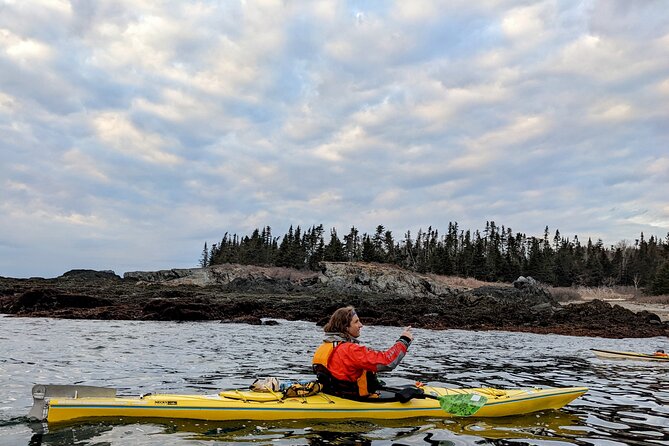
x: 323, y: 353
x: 320, y: 366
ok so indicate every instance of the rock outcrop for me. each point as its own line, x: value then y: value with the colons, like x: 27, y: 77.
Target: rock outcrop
x: 384, y: 295
x: 341, y: 277
x: 371, y: 278
x: 229, y: 276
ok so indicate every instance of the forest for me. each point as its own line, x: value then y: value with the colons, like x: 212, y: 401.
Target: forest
x: 495, y: 254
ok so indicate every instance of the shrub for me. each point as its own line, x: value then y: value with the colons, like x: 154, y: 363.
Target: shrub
x: 663, y: 299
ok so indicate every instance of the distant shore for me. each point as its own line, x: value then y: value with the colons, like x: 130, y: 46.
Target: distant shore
x: 384, y: 295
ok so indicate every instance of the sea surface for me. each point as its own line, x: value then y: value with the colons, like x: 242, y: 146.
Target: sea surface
x: 627, y: 404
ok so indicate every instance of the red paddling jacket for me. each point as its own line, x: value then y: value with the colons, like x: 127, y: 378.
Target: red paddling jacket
x: 346, y: 368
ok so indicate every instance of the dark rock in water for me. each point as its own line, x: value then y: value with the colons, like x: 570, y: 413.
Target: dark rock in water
x: 48, y: 299
x: 270, y: 322
x: 251, y: 320
x: 177, y: 310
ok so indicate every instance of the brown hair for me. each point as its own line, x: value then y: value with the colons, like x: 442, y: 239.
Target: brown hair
x: 340, y: 320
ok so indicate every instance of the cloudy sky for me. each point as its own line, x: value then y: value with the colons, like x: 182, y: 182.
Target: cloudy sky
x: 133, y: 131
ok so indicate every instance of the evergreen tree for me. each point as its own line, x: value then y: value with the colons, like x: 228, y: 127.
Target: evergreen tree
x: 368, y: 251
x: 660, y: 283
x: 297, y: 251
x: 283, y: 256
x: 352, y: 245
x: 389, y: 247
x: 377, y: 241
x: 493, y: 253
x: 621, y: 263
x: 334, y: 250
x: 513, y: 256
x: 212, y: 253
x: 204, y: 259
x: 466, y: 255
x: 534, y: 266
x: 408, y: 255
x: 313, y: 247
x: 593, y: 272
x: 478, y: 258
x: 564, y: 275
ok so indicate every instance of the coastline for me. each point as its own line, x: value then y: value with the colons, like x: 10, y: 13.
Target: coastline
x: 383, y: 295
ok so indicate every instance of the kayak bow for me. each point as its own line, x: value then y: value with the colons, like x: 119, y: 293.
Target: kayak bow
x: 54, y: 403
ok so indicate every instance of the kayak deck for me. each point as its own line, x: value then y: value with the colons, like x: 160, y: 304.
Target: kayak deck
x: 611, y: 354
x: 247, y: 405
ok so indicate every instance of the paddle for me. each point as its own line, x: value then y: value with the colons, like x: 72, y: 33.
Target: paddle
x: 459, y: 404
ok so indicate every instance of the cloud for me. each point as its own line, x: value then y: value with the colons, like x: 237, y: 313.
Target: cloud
x: 501, y: 142
x: 120, y: 134
x: 24, y: 51
x: 612, y: 112
x: 133, y: 132
x: 82, y: 164
x: 523, y: 23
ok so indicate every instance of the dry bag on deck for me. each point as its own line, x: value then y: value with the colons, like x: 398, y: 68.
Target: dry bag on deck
x: 301, y: 390
x: 268, y: 384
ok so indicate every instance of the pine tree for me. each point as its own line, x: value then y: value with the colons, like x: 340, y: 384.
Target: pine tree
x: 377, y: 241
x: 660, y: 283
x: 478, y: 259
x: 204, y: 259
x: 368, y: 251
x: 283, y: 254
x: 334, y: 250
x: 535, y: 265
x: 389, y: 247
x: 352, y: 245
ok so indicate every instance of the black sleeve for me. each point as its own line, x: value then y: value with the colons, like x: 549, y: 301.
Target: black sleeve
x: 405, y: 340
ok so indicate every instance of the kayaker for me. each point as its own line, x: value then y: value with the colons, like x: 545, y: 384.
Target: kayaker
x: 346, y: 368
x: 660, y: 352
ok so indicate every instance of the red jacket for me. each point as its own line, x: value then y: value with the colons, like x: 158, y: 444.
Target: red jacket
x: 349, y: 360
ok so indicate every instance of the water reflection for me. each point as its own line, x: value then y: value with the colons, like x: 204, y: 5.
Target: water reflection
x: 551, y: 425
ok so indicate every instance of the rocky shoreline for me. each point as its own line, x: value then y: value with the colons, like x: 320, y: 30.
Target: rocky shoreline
x: 384, y: 295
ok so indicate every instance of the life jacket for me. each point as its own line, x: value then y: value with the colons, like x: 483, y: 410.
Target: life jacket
x: 363, y: 387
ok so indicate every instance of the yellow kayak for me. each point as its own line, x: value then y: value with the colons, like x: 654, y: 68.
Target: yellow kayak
x: 54, y: 403
x: 610, y: 354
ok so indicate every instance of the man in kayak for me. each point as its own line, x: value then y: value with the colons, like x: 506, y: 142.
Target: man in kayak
x: 348, y: 369
x: 661, y: 353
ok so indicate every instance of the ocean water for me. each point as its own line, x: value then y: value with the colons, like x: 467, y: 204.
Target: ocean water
x: 627, y: 404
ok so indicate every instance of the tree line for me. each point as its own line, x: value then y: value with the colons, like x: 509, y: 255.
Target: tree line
x: 495, y: 254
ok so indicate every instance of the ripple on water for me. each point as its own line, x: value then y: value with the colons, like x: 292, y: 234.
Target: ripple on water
x: 627, y: 403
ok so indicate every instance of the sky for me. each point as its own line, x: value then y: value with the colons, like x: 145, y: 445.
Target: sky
x: 133, y: 131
